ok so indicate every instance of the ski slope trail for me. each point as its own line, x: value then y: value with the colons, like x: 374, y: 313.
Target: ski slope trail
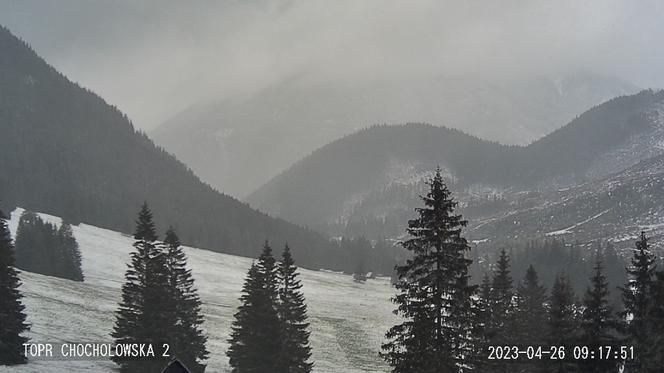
x: 348, y: 320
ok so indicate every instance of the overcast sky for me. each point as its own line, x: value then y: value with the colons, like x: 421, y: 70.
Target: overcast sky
x: 154, y: 58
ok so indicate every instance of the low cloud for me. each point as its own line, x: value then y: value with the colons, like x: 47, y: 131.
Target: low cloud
x: 155, y: 58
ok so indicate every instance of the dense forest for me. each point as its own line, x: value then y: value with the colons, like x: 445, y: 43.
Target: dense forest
x: 318, y: 189
x: 450, y: 324
x: 43, y: 248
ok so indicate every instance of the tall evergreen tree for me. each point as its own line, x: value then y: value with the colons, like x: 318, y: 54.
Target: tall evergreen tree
x: 531, y: 311
x: 141, y: 317
x: 598, y: 322
x: 187, y: 340
x: 12, y: 315
x: 69, y: 260
x: 637, y: 298
x: 501, y: 323
x: 530, y: 314
x: 562, y: 323
x: 502, y: 302
x: 255, y: 341
x: 434, y: 294
x: 295, y: 350
x: 480, y: 326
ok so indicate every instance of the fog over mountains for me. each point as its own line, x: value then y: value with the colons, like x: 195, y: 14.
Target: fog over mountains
x: 237, y: 145
x: 65, y: 151
x: 368, y: 183
x: 304, y: 73
x: 402, y: 185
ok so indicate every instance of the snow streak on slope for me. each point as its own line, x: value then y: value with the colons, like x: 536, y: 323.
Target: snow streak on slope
x: 348, y: 320
x: 570, y: 229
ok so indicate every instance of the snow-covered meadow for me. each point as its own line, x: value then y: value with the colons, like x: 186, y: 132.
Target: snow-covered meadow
x: 348, y: 320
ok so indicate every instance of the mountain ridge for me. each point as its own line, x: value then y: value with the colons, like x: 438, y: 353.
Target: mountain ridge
x: 238, y: 144
x: 67, y: 152
x: 582, y: 150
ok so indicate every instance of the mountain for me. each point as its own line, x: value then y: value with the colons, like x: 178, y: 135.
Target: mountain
x: 371, y: 179
x: 237, y: 145
x: 348, y: 320
x: 615, y: 208
x: 65, y: 151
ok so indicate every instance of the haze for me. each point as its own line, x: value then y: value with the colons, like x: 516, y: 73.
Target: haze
x: 153, y: 59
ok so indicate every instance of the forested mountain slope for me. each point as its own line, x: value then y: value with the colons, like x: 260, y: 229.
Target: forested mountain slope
x: 614, y: 208
x: 240, y: 143
x: 357, y: 175
x: 65, y: 151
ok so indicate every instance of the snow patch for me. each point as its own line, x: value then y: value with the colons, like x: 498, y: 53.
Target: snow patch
x: 569, y: 229
x: 62, y: 310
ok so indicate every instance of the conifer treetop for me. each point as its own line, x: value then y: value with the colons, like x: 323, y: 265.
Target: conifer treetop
x: 171, y: 238
x: 145, y: 228
x: 12, y: 316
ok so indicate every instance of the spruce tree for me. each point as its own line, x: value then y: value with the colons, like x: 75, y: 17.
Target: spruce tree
x: 500, y: 325
x: 187, y: 341
x: 637, y: 298
x: 530, y: 314
x: 502, y: 302
x: 255, y: 341
x: 141, y: 317
x: 12, y: 315
x: 530, y: 310
x: 480, y: 326
x: 598, y: 322
x: 69, y: 260
x: 295, y: 350
x: 434, y: 295
x: 562, y: 323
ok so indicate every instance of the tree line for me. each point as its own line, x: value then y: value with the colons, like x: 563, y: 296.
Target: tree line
x: 451, y: 325
x: 43, y: 248
x: 551, y: 257
x: 160, y: 304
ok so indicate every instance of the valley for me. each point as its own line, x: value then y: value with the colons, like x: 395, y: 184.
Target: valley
x: 343, y: 314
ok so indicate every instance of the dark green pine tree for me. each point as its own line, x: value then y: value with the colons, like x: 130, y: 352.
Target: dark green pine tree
x: 530, y: 314
x: 598, y: 322
x: 562, y: 318
x: 141, y: 317
x: 187, y: 341
x: 502, y: 302
x: 69, y: 254
x: 295, y: 350
x: 255, y: 341
x: 482, y: 316
x: 562, y: 323
x: 501, y: 323
x: 531, y: 311
x: 637, y: 298
x: 12, y: 316
x: 434, y: 295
